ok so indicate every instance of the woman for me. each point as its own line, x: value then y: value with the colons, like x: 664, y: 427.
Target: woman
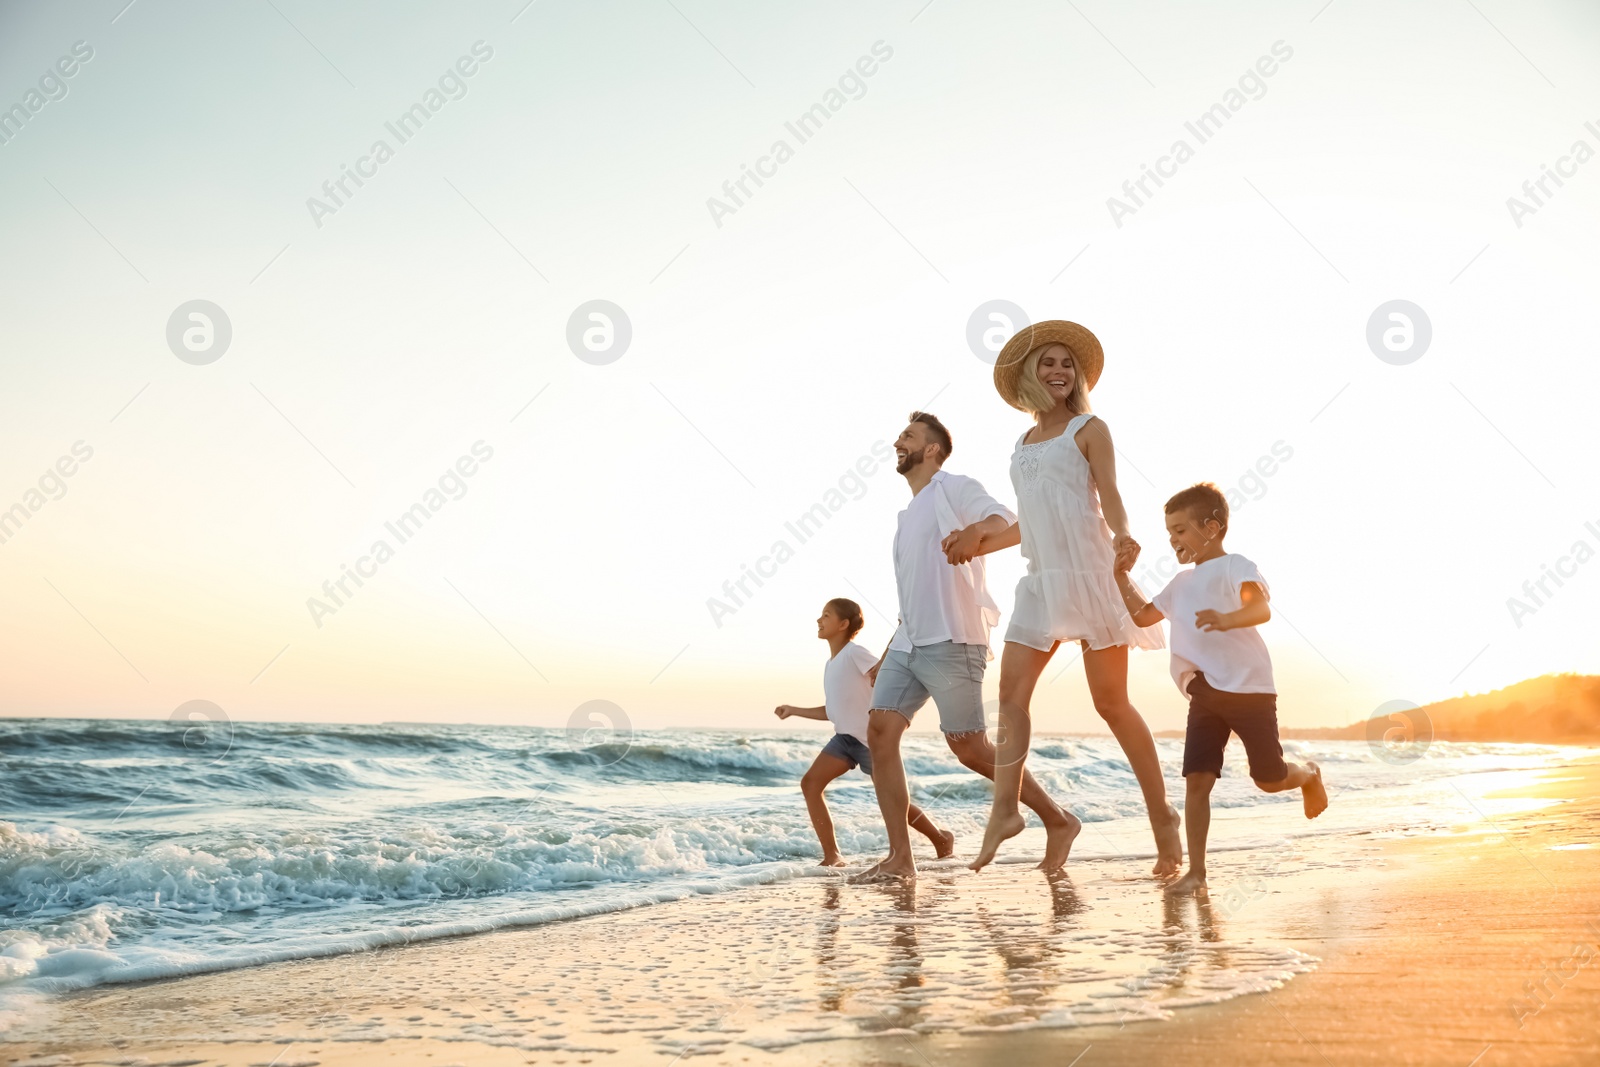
x: 1070, y: 524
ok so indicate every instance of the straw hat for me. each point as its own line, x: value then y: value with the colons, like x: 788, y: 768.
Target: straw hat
x: 1087, y: 355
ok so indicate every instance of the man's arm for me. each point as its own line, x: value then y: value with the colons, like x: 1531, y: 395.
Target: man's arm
x: 784, y: 711
x: 872, y: 671
x: 996, y: 530
x: 980, y: 539
x: 1253, y: 611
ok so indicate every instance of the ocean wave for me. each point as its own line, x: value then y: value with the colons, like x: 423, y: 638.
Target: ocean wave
x: 131, y: 855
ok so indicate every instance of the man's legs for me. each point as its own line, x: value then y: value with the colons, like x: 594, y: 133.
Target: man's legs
x: 884, y: 730
x: 824, y: 769
x: 944, y: 842
x: 1197, y: 819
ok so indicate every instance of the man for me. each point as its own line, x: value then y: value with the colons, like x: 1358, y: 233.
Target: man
x: 942, y: 645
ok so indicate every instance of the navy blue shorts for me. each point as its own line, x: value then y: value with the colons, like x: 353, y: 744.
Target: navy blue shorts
x: 1214, y: 714
x: 852, y: 751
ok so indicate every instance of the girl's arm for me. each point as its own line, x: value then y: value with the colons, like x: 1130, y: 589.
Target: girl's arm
x: 1102, y: 457
x: 784, y: 711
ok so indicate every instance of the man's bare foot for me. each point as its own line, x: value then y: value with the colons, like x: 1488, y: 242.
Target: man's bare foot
x: 892, y: 869
x: 1058, y: 839
x: 1189, y: 883
x: 870, y: 871
x: 1169, y: 846
x: 1000, y: 829
x: 1314, y: 793
x: 945, y: 846
x: 833, y: 861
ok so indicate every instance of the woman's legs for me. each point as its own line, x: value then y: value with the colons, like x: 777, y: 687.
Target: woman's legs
x: 1020, y: 667
x: 1107, y: 672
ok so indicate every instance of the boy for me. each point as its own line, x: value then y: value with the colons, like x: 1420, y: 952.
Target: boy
x: 1220, y: 663
x: 847, y: 693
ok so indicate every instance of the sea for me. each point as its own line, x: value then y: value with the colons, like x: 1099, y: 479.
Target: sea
x: 133, y: 850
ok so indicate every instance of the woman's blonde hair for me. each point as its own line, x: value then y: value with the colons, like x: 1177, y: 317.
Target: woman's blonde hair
x: 1036, y: 398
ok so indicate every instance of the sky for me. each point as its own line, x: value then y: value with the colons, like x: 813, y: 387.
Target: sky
x: 419, y: 339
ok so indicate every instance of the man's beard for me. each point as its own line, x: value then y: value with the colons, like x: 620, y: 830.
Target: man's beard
x: 911, y: 460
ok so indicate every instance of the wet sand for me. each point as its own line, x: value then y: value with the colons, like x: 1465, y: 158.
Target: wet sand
x: 1341, y: 949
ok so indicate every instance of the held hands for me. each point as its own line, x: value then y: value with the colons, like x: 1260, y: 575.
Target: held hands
x: 1127, y: 552
x: 960, y: 546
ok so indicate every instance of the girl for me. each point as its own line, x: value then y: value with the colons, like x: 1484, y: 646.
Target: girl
x: 847, y: 695
x: 1070, y: 524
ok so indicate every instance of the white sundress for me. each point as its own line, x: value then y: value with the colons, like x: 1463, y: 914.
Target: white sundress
x: 1070, y: 591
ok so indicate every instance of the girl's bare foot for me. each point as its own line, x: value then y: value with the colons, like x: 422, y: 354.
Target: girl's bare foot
x: 1169, y: 845
x: 1189, y: 883
x: 1058, y: 839
x: 1000, y: 828
x: 1314, y: 793
x: 945, y: 846
x: 833, y: 861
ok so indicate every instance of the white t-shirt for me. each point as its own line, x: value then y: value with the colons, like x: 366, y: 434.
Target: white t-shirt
x: 940, y: 601
x: 846, y: 693
x: 1234, y: 661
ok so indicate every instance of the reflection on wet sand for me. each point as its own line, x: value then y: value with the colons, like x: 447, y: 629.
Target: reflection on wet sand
x: 812, y: 959
x: 953, y: 951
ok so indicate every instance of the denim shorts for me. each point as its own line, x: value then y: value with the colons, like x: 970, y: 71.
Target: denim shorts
x: 850, y: 749
x: 951, y: 674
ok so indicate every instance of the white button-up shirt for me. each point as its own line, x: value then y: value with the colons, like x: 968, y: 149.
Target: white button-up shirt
x: 940, y: 601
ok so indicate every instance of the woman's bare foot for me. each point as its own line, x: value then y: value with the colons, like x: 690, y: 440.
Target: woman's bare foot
x: 945, y: 846
x: 833, y: 861
x: 1189, y: 883
x: 1169, y: 845
x: 1058, y: 839
x: 1314, y: 793
x: 1000, y: 829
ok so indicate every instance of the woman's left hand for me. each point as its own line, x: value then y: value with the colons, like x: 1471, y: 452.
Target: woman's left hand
x: 1124, y: 543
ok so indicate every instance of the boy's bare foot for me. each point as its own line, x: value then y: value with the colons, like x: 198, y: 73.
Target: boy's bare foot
x: 891, y: 869
x: 1001, y: 828
x: 1314, y: 793
x: 945, y: 846
x: 1058, y: 839
x: 833, y: 861
x: 1189, y: 883
x: 1169, y: 846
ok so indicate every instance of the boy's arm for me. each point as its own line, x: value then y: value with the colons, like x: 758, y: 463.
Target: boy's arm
x: 1253, y: 611
x: 1140, y: 610
x: 784, y: 711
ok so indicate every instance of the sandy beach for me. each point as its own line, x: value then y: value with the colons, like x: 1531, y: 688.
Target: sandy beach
x: 1347, y: 949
